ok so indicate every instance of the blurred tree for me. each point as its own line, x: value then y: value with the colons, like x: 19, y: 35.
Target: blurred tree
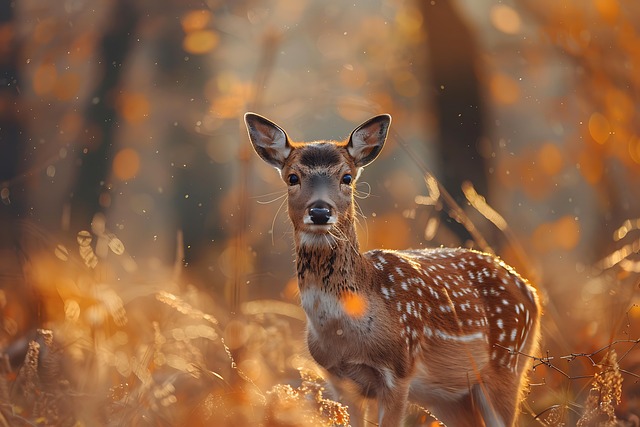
x: 454, y: 87
x: 101, y: 117
x: 165, y: 110
x: 10, y: 125
x: 13, y: 170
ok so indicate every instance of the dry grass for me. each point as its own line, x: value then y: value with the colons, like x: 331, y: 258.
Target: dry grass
x: 149, y: 353
x: 164, y: 354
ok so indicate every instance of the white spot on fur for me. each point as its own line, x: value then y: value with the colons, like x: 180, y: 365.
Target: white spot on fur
x: 427, y: 332
x: 460, y: 338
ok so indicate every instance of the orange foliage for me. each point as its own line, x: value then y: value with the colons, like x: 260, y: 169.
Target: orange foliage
x: 134, y: 107
x: 505, y: 19
x: 345, y: 107
x: 126, y: 164
x: 599, y: 128
x: 229, y: 95
x: 289, y: 12
x: 504, y: 89
x: 634, y: 148
x: 608, y: 9
x: 44, y: 79
x: 620, y: 106
x: 82, y: 47
x: 550, y: 159
x: 563, y: 234
x: 353, y: 76
x: 6, y: 39
x: 44, y: 31
x: 591, y: 166
x: 200, y: 42
x: 409, y: 23
x: 66, y: 86
x: 406, y: 84
x: 70, y: 125
x: 195, y: 20
x: 535, y: 183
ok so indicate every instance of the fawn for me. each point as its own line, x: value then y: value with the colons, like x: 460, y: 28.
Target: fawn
x: 440, y: 327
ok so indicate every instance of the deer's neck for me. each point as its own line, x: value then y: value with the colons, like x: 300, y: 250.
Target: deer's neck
x: 330, y: 262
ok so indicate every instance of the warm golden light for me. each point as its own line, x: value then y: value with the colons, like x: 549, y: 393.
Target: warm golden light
x: 133, y: 106
x: 599, y: 128
x: 200, y: 42
x: 505, y: 19
x: 195, y: 20
x: 45, y: 78
x: 355, y: 305
x: 550, y: 159
x: 126, y: 164
x: 504, y: 89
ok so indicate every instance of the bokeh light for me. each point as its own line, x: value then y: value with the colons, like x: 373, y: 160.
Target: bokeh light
x: 126, y: 164
x: 146, y: 267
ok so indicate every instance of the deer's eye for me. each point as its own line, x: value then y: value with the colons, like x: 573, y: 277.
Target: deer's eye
x: 293, y: 179
x: 347, y: 179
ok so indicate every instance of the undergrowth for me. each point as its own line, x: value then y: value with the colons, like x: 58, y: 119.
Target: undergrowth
x: 113, y: 352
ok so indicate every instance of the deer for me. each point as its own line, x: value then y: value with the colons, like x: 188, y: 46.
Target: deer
x: 446, y: 328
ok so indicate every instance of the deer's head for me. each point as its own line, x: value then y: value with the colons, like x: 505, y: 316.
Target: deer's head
x: 320, y: 175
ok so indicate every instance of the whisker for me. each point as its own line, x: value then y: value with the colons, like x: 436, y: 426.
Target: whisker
x: 262, y: 202
x: 360, y: 213
x: 273, y: 222
x: 343, y: 238
x: 337, y: 234
x: 268, y: 194
x: 359, y: 194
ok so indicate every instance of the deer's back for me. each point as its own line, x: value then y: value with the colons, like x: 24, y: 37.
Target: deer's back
x: 456, y: 297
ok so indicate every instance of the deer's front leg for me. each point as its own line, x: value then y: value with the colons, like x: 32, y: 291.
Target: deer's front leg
x: 392, y: 404
x: 345, y: 393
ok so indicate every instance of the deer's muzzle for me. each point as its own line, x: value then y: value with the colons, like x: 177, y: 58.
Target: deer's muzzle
x: 320, y: 213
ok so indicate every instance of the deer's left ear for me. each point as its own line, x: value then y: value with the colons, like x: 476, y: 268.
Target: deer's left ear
x: 367, y: 140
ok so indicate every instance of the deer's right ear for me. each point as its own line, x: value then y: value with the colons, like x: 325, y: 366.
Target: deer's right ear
x: 268, y: 139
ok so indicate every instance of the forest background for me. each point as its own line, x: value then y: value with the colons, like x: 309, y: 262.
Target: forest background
x: 146, y: 273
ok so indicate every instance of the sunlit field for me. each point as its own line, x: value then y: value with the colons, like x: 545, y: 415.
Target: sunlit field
x: 147, y: 272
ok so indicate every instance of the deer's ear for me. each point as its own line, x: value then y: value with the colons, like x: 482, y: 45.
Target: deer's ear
x: 367, y: 140
x: 268, y: 139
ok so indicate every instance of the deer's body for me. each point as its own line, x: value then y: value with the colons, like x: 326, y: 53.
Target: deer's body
x: 430, y: 326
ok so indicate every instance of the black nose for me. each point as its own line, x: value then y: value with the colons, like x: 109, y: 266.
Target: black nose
x: 320, y: 215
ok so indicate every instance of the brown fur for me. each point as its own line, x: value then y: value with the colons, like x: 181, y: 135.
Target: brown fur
x: 395, y: 326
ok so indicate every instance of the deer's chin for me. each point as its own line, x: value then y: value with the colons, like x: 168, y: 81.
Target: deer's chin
x: 318, y: 229
x: 308, y: 226
x: 316, y: 237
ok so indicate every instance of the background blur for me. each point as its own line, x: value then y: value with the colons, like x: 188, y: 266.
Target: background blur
x: 146, y: 265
